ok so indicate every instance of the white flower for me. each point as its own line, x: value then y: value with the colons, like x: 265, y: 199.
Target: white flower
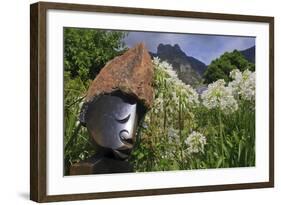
x: 158, y: 104
x: 168, y: 154
x: 219, y: 96
x: 175, y: 98
x: 147, y: 119
x: 195, y: 142
x: 173, y: 135
x: 156, y: 61
x: 173, y: 74
x: 81, y: 104
x: 77, y: 123
x: 243, y: 84
x: 83, y: 129
x: 186, y: 90
x: 190, y: 94
x: 166, y: 67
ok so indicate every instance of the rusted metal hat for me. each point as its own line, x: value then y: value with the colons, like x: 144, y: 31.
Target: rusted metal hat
x: 130, y: 73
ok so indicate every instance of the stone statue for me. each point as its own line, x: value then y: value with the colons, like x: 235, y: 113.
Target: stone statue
x: 115, y: 104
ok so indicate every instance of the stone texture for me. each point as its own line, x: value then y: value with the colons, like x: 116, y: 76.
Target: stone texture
x: 131, y: 73
x: 100, y: 165
x: 81, y: 168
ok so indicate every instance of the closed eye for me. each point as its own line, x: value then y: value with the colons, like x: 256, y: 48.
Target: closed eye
x: 124, y: 119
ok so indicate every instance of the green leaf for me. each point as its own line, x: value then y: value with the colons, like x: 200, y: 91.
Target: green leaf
x: 219, y: 162
x: 240, y: 149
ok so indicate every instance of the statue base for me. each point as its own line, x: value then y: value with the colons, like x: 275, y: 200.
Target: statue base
x: 100, y: 165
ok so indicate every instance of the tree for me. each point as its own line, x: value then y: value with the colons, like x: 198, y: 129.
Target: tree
x: 222, y: 66
x: 86, y: 51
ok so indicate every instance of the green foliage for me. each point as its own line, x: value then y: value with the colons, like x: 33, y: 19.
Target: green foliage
x: 227, y: 139
x: 76, y: 143
x: 86, y: 51
x: 221, y: 67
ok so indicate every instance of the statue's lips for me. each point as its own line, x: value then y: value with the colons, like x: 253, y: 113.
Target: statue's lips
x: 122, y: 154
x: 114, y: 141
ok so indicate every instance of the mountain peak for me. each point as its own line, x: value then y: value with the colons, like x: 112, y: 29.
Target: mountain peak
x: 165, y: 50
x: 189, y: 69
x: 177, y: 47
x: 250, y: 54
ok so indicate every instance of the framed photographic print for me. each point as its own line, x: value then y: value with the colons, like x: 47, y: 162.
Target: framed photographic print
x: 134, y: 102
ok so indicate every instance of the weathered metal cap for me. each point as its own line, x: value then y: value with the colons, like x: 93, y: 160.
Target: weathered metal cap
x: 131, y: 73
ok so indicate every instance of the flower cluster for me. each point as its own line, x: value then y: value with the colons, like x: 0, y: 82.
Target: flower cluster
x: 180, y: 88
x: 173, y: 135
x: 165, y: 66
x: 158, y: 103
x: 195, y: 142
x: 190, y: 95
x: 243, y: 84
x: 219, y: 96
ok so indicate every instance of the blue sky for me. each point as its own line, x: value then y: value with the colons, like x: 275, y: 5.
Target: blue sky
x: 203, y: 47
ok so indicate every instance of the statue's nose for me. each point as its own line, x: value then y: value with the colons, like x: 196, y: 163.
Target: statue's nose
x: 126, y: 137
x: 124, y: 134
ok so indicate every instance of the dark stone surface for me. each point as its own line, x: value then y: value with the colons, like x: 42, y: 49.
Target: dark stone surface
x: 131, y: 73
x: 100, y: 165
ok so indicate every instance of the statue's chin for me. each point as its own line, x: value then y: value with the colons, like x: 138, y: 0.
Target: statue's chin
x: 122, y: 154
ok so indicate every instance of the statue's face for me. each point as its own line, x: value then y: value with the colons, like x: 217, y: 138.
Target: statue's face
x: 112, y: 121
